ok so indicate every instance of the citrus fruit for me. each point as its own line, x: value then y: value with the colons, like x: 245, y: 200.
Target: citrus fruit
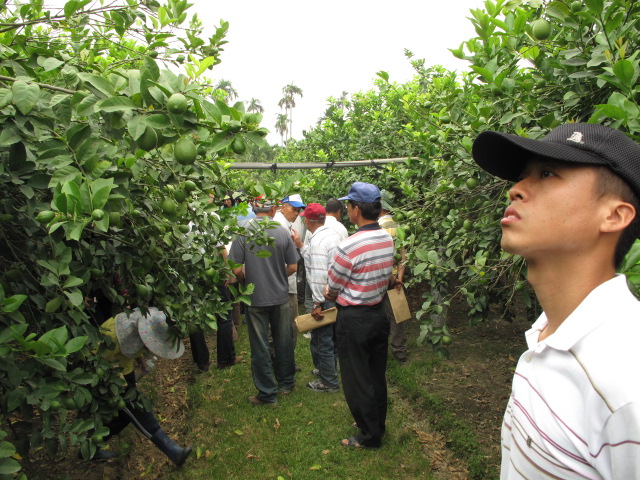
x: 397, y: 257
x: 238, y: 146
x: 184, y: 151
x: 210, y: 272
x: 398, y: 217
x: 69, y: 403
x: 169, y: 207
x: 189, y: 186
x: 177, y: 104
x: 143, y: 291
x: 45, y: 216
x: 180, y: 195
x: 467, y: 224
x: 541, y: 29
x: 180, y: 58
x: 55, y: 405
x: 472, y: 183
x: 114, y: 219
x: 97, y: 214
x: 446, y: 339
x: 184, y: 228
x: 148, y: 140
x: 576, y: 6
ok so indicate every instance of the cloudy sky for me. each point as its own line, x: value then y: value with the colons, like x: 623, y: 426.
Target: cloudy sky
x: 329, y: 47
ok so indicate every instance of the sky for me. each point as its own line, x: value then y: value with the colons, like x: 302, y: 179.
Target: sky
x: 328, y: 47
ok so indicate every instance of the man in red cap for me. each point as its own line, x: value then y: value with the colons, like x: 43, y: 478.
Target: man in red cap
x: 318, y: 254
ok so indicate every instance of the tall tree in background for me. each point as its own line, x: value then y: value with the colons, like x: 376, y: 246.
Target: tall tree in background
x: 255, y: 106
x: 226, y: 86
x: 288, y: 102
x: 282, y: 125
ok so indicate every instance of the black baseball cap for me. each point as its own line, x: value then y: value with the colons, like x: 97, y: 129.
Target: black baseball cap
x: 505, y: 155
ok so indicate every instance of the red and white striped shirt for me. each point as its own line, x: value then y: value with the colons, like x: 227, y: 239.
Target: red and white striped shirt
x: 361, y: 267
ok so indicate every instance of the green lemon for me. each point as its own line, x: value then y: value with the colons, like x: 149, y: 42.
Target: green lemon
x: 472, y: 183
x: 397, y: 257
x: 45, y: 216
x: 180, y: 58
x: 467, y: 224
x: 398, y: 217
x: 148, y: 140
x: 177, y: 104
x: 184, y: 228
x: 238, y: 146
x: 541, y: 29
x: 184, y: 151
x: 55, y: 405
x: 180, y: 195
x: 446, y: 340
x: 210, y: 272
x: 97, y: 214
x: 169, y: 207
x: 576, y: 6
x: 115, y: 220
x: 189, y: 186
x: 144, y: 291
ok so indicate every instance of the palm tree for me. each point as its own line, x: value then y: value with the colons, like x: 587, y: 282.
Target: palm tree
x: 288, y: 101
x: 227, y: 88
x: 255, y: 106
x: 282, y: 125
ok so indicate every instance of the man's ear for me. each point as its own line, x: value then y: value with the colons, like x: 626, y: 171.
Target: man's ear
x: 621, y: 214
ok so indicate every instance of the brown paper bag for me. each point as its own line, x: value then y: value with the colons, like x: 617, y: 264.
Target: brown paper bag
x: 399, y: 305
x: 307, y: 322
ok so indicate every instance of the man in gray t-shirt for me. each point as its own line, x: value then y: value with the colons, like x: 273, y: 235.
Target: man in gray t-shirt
x: 269, y: 310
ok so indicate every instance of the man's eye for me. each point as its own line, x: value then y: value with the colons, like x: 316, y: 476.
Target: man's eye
x: 546, y: 173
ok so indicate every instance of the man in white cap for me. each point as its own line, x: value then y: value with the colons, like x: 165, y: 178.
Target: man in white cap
x: 289, y: 217
x: 574, y: 410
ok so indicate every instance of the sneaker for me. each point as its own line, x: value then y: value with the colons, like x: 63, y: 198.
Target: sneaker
x: 315, y: 372
x: 318, y: 386
x: 254, y: 400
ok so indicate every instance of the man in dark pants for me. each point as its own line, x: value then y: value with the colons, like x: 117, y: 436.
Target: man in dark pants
x: 357, y: 282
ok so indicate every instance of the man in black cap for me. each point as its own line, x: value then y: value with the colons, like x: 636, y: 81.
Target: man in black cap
x: 574, y: 410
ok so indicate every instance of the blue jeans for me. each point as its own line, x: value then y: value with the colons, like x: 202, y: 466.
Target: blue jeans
x: 324, y: 352
x: 259, y: 321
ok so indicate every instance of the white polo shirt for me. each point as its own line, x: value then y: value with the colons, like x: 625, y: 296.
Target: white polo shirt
x: 574, y: 410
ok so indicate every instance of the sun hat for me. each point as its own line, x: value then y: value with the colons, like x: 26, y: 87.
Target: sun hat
x: 314, y: 211
x: 363, y: 192
x: 154, y: 331
x: 386, y: 200
x: 136, y: 331
x: 262, y: 201
x: 294, y: 200
x: 505, y: 155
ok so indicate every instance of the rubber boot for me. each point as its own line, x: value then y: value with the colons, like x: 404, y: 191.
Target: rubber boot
x: 176, y: 453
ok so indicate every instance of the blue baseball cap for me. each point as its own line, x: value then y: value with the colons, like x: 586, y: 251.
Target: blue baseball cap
x: 363, y: 192
x: 294, y: 201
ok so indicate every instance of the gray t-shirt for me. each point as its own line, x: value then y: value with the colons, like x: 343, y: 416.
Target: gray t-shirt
x: 267, y: 274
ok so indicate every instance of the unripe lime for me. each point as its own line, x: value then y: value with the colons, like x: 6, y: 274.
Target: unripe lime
x: 238, y: 146
x: 576, y: 6
x: 177, y: 104
x: 189, y: 186
x: 541, y: 29
x: 184, y: 228
x: 446, y: 339
x: 153, y: 54
x: 471, y: 183
x: 55, y: 405
x: 180, y: 58
x: 45, y: 216
x: 210, y: 272
x: 397, y: 257
x: 184, y: 151
x: 467, y: 224
x: 180, y: 195
x: 398, y: 217
x: 148, y: 140
x: 144, y: 291
x: 121, y: 404
x: 115, y: 220
x: 169, y: 207
x: 97, y: 214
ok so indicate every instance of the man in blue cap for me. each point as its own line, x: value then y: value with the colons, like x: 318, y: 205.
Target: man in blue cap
x: 357, y: 282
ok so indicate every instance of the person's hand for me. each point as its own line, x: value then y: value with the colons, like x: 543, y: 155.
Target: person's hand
x: 295, y: 236
x: 316, y: 313
x: 330, y: 296
x: 398, y: 285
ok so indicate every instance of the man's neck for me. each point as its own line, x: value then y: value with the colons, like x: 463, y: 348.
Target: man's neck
x: 335, y: 215
x: 560, y: 294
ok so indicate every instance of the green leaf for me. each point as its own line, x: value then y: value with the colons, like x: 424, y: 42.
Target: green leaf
x: 100, y: 84
x: 625, y: 71
x: 263, y: 253
x: 53, y: 363
x: 6, y: 449
x: 115, y: 104
x: 53, y: 305
x: 25, y: 96
x: 9, y: 466
x: 596, y: 6
x: 11, y: 304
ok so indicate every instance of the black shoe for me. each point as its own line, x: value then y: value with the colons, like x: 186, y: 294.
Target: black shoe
x: 176, y: 453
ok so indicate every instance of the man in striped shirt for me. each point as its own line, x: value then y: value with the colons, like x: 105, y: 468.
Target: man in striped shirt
x: 574, y: 410
x: 358, y: 280
x: 318, y: 255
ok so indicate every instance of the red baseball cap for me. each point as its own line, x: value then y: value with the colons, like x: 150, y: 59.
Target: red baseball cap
x: 314, y: 211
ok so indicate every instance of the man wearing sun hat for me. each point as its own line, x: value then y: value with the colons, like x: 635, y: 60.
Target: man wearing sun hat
x: 318, y: 254
x: 289, y: 217
x: 574, y: 410
x: 357, y: 282
x: 133, y: 333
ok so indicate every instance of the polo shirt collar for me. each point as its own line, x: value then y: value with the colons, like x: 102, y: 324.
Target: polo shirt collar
x: 369, y: 226
x: 590, y: 314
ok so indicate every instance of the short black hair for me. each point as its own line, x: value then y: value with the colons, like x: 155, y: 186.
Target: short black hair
x: 334, y: 206
x: 369, y: 210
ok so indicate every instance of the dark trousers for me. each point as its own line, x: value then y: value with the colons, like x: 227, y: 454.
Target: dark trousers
x: 142, y: 419
x: 362, y: 334
x: 225, y: 350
